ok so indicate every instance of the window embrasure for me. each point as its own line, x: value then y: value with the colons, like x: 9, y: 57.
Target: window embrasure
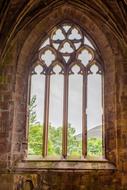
x: 66, y: 104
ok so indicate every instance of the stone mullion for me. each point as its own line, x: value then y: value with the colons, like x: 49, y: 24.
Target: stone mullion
x: 46, y: 116
x: 84, y: 117
x: 103, y: 125
x: 28, y: 104
x: 65, y: 116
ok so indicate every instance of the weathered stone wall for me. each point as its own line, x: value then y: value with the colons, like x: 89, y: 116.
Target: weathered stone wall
x: 14, y: 72
x: 54, y: 180
x: 69, y: 180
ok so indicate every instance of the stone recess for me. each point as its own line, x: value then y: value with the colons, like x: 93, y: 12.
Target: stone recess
x: 23, y: 25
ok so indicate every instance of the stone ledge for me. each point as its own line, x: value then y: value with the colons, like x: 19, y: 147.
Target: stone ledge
x: 81, y: 165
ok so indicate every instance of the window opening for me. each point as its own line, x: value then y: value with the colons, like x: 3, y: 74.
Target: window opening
x: 65, y: 109
x: 94, y: 113
x: 36, y: 111
x: 75, y: 114
x: 55, y: 114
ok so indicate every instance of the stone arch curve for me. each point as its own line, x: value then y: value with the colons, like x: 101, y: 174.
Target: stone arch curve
x: 28, y: 50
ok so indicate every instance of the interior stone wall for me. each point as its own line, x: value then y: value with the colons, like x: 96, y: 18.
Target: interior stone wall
x: 68, y: 180
x: 13, y: 110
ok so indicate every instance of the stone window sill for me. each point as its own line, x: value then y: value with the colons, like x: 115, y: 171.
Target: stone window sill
x: 84, y: 164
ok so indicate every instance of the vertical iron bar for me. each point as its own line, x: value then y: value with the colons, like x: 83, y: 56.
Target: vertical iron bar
x: 65, y: 116
x: 46, y: 116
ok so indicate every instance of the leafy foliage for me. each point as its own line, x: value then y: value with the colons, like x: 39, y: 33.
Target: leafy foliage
x: 35, y: 140
x: 74, y: 148
x: 32, y: 112
x: 94, y: 147
x: 74, y: 143
x: 55, y: 142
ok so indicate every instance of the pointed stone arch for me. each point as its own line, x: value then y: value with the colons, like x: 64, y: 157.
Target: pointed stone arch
x: 27, y: 54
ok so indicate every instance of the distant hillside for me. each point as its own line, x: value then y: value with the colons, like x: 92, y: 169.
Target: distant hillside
x: 95, y: 132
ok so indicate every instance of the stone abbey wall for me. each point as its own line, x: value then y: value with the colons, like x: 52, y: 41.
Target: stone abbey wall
x: 14, y: 69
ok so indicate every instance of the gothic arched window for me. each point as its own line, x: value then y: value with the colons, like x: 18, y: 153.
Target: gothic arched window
x: 65, y: 97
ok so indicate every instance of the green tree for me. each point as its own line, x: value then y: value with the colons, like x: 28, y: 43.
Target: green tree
x: 35, y: 130
x: 35, y: 139
x: 74, y: 143
x: 54, y: 140
x: 32, y: 112
x: 74, y: 147
x: 94, y: 147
